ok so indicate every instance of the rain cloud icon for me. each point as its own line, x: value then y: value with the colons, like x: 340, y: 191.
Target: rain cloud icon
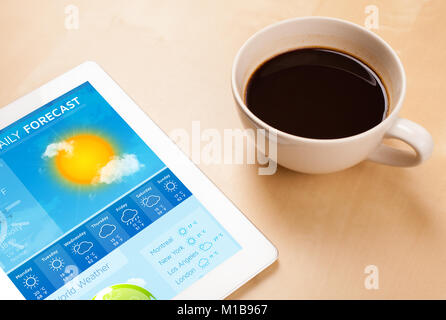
x: 83, y: 247
x: 106, y: 230
x: 150, y: 201
x: 128, y: 215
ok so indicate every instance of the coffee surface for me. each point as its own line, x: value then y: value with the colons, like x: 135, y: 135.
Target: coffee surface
x: 317, y: 93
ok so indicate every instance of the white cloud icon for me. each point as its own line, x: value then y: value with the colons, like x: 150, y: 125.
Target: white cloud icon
x: 83, y: 247
x: 53, y: 149
x: 150, y: 201
x: 118, y: 168
x: 107, y: 230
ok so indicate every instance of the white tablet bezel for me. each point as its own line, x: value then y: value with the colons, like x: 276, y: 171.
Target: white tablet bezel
x: 257, y: 252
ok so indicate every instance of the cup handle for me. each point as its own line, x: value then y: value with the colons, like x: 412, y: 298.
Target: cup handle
x: 411, y: 133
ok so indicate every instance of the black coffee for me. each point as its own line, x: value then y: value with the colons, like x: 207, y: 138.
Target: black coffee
x: 317, y: 93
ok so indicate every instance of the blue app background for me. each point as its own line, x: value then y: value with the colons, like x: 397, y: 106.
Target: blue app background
x: 66, y: 204
x: 25, y: 226
x: 62, y: 240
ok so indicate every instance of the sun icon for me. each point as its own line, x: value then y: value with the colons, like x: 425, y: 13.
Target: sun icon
x: 56, y: 264
x: 75, y: 248
x: 81, y: 162
x: 170, y: 186
x: 31, y: 281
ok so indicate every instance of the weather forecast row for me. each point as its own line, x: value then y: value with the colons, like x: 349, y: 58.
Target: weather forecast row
x: 91, y: 241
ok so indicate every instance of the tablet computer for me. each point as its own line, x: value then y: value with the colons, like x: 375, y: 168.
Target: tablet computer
x: 96, y: 202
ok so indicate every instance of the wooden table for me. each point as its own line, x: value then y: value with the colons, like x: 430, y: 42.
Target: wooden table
x: 174, y: 58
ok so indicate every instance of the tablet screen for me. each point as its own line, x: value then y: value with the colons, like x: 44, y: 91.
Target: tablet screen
x: 88, y: 210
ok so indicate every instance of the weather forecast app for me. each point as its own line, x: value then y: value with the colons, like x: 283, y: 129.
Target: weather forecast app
x: 89, y: 211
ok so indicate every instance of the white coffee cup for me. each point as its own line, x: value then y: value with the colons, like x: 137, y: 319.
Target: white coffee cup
x: 324, y: 156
